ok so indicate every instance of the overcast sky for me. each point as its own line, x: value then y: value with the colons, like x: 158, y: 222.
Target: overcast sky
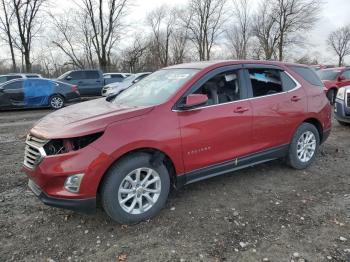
x: 334, y: 13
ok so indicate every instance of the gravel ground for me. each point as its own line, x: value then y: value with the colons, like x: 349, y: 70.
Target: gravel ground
x: 264, y: 213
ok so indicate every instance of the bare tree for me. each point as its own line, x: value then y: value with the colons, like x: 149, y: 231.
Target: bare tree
x: 206, y: 24
x: 161, y: 21
x: 6, y: 19
x: 106, y: 23
x: 339, y: 41
x: 265, y: 29
x: 180, y: 36
x: 132, y: 56
x: 294, y: 17
x: 240, y: 33
x: 26, y: 13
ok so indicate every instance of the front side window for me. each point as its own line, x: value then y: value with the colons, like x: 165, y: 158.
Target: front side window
x: 265, y: 81
x: 76, y: 75
x: 156, y: 88
x: 222, y: 88
x: 13, y: 85
x: 346, y: 74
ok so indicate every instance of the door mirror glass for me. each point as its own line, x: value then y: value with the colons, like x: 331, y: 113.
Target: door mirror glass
x: 194, y: 100
x: 68, y: 78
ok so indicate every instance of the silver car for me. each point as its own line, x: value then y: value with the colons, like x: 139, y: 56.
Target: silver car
x: 115, y: 88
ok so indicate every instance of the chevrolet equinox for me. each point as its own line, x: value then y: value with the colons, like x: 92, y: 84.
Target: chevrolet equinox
x: 181, y: 124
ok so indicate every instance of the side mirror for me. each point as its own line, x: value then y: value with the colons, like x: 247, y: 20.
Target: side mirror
x: 194, y: 100
x: 341, y: 78
x: 68, y: 78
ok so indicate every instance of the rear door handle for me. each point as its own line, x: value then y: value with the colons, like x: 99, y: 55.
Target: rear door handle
x: 240, y: 110
x: 295, y: 99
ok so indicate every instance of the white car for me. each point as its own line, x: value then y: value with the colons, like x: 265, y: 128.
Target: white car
x: 117, y: 87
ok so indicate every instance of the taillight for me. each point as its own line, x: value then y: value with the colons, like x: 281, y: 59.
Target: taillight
x: 74, y: 88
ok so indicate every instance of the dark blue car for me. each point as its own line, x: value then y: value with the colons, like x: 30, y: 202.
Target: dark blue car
x: 39, y: 92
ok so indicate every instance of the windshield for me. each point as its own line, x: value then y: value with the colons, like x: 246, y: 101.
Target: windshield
x: 64, y: 75
x: 328, y: 74
x: 155, y: 88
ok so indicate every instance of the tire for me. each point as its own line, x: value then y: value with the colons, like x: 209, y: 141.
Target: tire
x: 117, y: 179
x: 332, y: 94
x: 56, y: 102
x: 296, y: 158
x: 343, y: 123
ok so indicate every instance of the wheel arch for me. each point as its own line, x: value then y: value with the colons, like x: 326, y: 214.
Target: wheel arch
x: 157, y: 157
x: 315, y: 122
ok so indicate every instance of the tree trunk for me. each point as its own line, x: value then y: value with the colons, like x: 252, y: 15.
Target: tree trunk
x: 340, y: 61
x: 27, y: 60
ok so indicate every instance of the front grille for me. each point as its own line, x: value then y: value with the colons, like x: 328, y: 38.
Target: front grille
x: 34, y: 151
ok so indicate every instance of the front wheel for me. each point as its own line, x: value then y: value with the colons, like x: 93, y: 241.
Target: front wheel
x: 134, y: 189
x: 56, y: 102
x: 304, y: 146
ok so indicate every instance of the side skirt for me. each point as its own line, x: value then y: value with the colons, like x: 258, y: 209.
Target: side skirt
x: 232, y: 165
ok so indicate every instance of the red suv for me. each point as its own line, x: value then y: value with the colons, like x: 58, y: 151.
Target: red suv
x: 333, y: 79
x: 179, y: 125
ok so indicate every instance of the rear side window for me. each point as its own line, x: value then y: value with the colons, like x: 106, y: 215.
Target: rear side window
x: 265, y: 81
x: 32, y: 76
x: 92, y: 75
x: 346, y: 74
x: 308, y: 74
x: 13, y: 77
x: 116, y: 76
x: 287, y: 83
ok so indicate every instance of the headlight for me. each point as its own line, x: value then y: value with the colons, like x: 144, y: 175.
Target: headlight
x: 341, y: 93
x: 61, y: 146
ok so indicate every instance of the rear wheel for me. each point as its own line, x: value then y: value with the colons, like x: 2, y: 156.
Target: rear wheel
x: 135, y: 190
x: 304, y: 146
x: 56, y: 102
x: 332, y: 94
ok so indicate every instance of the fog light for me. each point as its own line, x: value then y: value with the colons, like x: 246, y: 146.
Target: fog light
x: 72, y: 183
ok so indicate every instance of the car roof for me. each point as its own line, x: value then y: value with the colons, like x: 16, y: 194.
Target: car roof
x: 207, y: 64
x: 335, y: 69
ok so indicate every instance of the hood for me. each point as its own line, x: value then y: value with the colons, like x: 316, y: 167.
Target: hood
x: 84, y: 118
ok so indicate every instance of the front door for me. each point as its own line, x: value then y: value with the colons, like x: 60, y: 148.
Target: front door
x: 13, y: 93
x: 220, y: 130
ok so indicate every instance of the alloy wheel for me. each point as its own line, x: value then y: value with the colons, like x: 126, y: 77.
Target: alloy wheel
x: 306, y: 146
x: 139, y: 190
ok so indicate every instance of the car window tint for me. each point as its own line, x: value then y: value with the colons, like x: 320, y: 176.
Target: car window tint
x: 76, y: 75
x: 92, y: 75
x: 265, y: 81
x: 287, y: 82
x: 222, y: 88
x: 14, y: 85
x: 116, y: 76
x: 32, y: 76
x: 308, y: 74
x: 13, y: 77
x: 346, y: 74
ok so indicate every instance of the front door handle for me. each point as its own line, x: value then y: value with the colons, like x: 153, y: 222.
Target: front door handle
x: 240, y: 110
x: 295, y: 99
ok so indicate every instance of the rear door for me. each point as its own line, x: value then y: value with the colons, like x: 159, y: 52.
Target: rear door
x: 278, y: 103
x: 220, y: 130
x: 37, y: 91
x: 94, y: 82
x: 12, y: 94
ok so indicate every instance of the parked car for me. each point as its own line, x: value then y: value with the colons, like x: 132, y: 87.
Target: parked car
x: 116, y: 88
x: 114, y: 77
x: 8, y: 77
x: 320, y: 67
x: 179, y: 125
x: 333, y: 79
x: 36, y: 92
x: 342, y: 106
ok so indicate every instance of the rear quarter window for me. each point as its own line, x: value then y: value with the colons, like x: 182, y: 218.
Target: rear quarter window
x: 308, y: 74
